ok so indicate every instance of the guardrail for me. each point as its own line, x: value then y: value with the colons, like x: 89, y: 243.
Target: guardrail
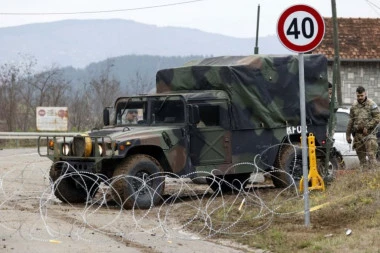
x: 31, y: 135
x: 21, y: 139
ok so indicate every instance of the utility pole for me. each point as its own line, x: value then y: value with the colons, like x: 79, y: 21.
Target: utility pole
x: 335, y: 84
x: 257, y: 30
x: 336, y: 68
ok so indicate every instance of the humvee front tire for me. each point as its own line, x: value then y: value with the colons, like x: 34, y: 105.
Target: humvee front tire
x: 288, y: 167
x: 76, y: 188
x: 138, y: 183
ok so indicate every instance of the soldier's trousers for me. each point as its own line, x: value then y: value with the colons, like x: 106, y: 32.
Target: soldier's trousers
x: 366, y: 146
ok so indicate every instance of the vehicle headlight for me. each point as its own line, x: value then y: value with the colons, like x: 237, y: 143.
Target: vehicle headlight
x: 65, y: 149
x: 100, y: 149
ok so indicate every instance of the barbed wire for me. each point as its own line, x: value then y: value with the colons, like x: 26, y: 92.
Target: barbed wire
x: 186, y: 210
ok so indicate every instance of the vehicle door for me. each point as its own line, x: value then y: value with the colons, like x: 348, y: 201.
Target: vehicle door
x: 210, y: 139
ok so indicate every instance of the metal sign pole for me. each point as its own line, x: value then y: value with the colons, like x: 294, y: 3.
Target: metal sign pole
x: 303, y: 135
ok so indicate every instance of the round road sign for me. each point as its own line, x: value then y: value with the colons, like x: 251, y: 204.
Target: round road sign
x: 300, y: 28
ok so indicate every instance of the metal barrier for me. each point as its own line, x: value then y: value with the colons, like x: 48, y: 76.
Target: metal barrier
x: 31, y: 135
x: 19, y: 136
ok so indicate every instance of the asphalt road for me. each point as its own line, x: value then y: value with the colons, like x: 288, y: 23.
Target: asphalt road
x: 33, y: 220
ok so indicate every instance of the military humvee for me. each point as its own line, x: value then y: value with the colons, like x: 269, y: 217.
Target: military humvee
x: 207, y: 116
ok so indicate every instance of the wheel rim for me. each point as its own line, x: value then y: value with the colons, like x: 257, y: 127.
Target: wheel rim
x: 142, y: 178
x: 326, y: 174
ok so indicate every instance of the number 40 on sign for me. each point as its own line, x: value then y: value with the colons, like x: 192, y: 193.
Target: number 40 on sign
x: 300, y: 28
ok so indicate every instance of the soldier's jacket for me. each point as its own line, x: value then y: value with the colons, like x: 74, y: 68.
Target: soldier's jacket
x: 365, y: 115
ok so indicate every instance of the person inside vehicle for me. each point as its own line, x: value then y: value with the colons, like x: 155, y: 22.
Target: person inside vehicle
x: 364, y: 118
x: 131, y: 116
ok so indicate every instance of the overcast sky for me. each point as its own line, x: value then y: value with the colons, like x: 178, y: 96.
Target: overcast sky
x: 236, y: 18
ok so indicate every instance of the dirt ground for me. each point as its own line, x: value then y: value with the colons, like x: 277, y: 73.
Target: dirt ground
x: 33, y: 220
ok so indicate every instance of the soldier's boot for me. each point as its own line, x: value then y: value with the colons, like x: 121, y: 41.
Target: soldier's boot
x: 372, y: 164
x: 362, y: 155
x: 363, y: 162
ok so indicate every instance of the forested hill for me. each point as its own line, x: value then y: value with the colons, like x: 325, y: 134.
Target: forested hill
x: 78, y: 43
x: 86, y: 64
x: 129, y: 70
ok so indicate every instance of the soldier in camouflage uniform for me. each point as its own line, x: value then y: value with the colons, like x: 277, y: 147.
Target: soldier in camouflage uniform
x: 364, y: 118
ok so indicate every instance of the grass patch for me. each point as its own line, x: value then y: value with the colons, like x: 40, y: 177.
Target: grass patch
x: 274, y: 220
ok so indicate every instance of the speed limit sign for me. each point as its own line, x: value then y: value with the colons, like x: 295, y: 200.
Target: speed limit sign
x: 300, y: 28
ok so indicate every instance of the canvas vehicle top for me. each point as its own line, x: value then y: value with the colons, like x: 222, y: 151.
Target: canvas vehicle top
x: 219, y: 115
x: 263, y: 90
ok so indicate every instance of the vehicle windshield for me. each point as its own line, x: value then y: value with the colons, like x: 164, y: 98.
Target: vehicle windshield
x: 153, y: 110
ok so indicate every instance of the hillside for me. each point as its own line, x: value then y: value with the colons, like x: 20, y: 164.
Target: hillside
x: 126, y: 69
x: 78, y: 43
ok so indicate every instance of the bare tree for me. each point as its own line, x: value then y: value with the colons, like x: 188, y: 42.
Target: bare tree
x: 8, y: 94
x: 46, y: 88
x: 139, y: 84
x: 51, y: 87
x: 22, y: 89
x: 80, y: 118
x: 87, y: 102
x: 11, y: 99
x: 103, y: 91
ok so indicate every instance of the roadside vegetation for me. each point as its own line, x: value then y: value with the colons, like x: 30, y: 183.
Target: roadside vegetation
x: 24, y: 85
x: 344, y: 218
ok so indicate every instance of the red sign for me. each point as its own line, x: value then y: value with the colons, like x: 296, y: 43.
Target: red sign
x: 300, y: 28
x: 52, y: 118
x: 41, y: 113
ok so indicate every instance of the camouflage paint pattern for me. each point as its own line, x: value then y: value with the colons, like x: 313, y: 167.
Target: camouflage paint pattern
x: 257, y: 101
x: 264, y: 90
x: 364, y: 115
x: 263, y: 93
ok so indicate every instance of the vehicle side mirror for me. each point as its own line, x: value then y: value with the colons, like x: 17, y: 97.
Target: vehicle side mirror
x: 106, y: 116
x: 194, y: 117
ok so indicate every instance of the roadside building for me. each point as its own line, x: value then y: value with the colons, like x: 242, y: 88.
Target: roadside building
x: 359, y: 52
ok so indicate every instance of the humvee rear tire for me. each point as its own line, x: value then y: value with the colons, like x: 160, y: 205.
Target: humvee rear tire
x: 336, y: 163
x: 289, y: 166
x: 78, y: 188
x: 290, y: 161
x: 138, y: 182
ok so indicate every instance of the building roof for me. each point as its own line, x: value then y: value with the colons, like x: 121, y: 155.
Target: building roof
x: 359, y: 39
